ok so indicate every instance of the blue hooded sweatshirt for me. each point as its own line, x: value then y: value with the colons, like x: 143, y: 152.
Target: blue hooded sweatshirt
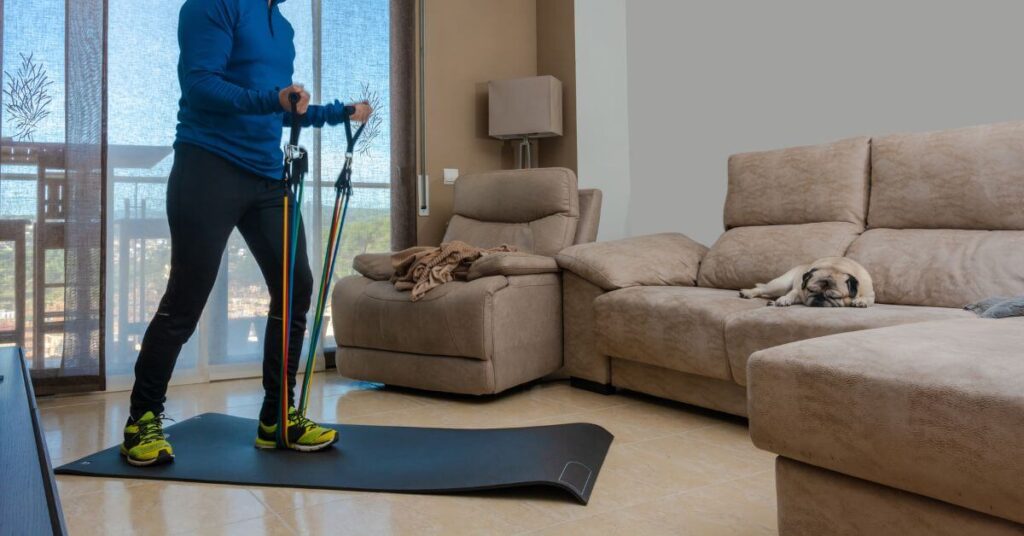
x: 236, y: 57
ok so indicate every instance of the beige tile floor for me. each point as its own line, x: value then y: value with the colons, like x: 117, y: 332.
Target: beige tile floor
x: 671, y: 470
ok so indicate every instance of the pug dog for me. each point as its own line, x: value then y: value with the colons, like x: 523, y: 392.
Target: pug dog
x: 828, y: 282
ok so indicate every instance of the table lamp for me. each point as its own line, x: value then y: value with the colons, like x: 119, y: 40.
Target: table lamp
x: 524, y: 109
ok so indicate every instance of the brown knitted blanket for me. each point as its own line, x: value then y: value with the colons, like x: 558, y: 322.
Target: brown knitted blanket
x: 423, y: 268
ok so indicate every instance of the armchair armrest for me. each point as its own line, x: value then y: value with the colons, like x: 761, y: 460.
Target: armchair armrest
x: 375, y: 266
x: 659, y: 259
x: 512, y: 263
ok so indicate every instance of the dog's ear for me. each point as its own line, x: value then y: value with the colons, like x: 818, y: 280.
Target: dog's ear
x: 807, y: 277
x: 853, y: 284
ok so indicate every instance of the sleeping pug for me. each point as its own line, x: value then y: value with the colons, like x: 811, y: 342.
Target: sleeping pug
x: 828, y: 282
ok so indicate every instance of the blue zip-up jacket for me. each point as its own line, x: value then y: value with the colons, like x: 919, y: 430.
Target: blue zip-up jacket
x: 236, y: 57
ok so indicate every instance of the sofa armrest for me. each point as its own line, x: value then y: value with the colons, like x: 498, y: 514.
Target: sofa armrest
x: 512, y: 263
x: 659, y: 259
x: 376, y: 266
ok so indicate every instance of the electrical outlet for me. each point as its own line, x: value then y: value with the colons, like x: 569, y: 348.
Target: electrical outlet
x: 450, y: 174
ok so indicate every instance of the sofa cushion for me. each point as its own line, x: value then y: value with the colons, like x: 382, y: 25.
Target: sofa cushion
x: 750, y: 331
x: 680, y: 328
x: 941, y: 267
x: 745, y: 256
x: 966, y: 178
x: 658, y: 259
x: 934, y: 408
x: 536, y: 210
x: 454, y: 319
x: 817, y: 183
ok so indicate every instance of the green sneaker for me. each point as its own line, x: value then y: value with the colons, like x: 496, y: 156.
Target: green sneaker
x: 144, y: 441
x: 304, y: 435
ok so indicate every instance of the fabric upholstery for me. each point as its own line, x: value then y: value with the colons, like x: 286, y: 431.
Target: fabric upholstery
x: 942, y: 267
x: 813, y: 502
x: 512, y: 263
x: 934, y: 408
x: 811, y: 184
x: 757, y: 329
x: 545, y: 236
x: 582, y: 357
x: 536, y: 210
x: 967, y: 178
x: 590, y: 215
x: 679, y: 328
x: 527, y: 329
x: 455, y: 319
x: 376, y: 266
x: 745, y: 256
x: 660, y: 259
x: 515, y: 322
x: 430, y: 372
x: 702, y: 391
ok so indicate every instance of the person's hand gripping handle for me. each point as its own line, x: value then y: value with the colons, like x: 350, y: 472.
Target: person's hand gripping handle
x: 359, y: 112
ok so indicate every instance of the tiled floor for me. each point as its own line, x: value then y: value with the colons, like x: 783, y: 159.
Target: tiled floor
x: 671, y: 469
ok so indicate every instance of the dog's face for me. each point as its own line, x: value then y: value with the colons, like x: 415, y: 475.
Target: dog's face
x: 825, y: 287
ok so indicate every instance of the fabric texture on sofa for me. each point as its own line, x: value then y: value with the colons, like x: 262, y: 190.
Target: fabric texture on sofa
x: 669, y: 259
x: 814, y: 501
x: 965, y: 178
x: 535, y: 210
x: 749, y: 331
x: 745, y: 256
x: 682, y: 328
x: 811, y: 184
x: 934, y: 408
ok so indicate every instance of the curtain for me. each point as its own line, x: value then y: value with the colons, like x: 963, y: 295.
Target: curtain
x: 52, y: 141
x: 86, y: 142
x: 403, y: 123
x: 343, y: 52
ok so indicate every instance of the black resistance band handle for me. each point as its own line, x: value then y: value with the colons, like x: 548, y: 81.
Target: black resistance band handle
x: 296, y: 124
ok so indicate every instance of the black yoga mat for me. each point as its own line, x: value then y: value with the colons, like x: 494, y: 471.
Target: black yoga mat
x: 219, y: 448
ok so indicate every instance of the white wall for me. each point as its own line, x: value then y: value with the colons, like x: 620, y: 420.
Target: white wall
x: 707, y: 79
x: 601, y: 105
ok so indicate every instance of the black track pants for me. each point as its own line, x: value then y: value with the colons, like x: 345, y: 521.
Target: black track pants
x: 207, y: 197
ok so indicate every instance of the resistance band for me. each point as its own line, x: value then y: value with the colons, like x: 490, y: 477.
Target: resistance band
x: 342, y: 194
x: 296, y: 167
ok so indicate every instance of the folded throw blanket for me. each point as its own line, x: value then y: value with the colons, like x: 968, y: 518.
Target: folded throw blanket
x: 420, y: 269
x: 998, y: 307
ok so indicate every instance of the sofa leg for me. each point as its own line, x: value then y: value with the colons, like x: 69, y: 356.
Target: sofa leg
x: 592, y: 386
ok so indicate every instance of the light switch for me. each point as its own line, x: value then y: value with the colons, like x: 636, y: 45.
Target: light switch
x: 450, y: 175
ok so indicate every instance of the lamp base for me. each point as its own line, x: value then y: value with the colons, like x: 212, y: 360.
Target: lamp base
x: 524, y: 154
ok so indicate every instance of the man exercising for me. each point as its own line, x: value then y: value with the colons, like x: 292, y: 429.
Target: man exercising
x: 235, y: 71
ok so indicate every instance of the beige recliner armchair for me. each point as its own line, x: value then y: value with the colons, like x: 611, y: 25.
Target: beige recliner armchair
x: 500, y: 328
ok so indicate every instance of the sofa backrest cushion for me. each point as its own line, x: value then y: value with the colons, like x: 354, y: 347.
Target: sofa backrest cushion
x: 966, y: 178
x: 809, y: 184
x: 536, y: 210
x: 745, y: 256
x: 946, y: 216
x: 788, y: 207
x: 941, y: 267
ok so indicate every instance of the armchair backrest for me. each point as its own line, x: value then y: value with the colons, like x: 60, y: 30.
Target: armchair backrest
x: 536, y: 210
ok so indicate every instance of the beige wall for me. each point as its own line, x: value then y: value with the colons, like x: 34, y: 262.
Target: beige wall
x: 556, y: 56
x: 468, y: 42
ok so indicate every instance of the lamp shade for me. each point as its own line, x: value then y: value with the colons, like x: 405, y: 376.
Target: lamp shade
x: 525, y: 107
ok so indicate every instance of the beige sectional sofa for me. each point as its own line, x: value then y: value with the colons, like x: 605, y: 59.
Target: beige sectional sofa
x: 903, y: 418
